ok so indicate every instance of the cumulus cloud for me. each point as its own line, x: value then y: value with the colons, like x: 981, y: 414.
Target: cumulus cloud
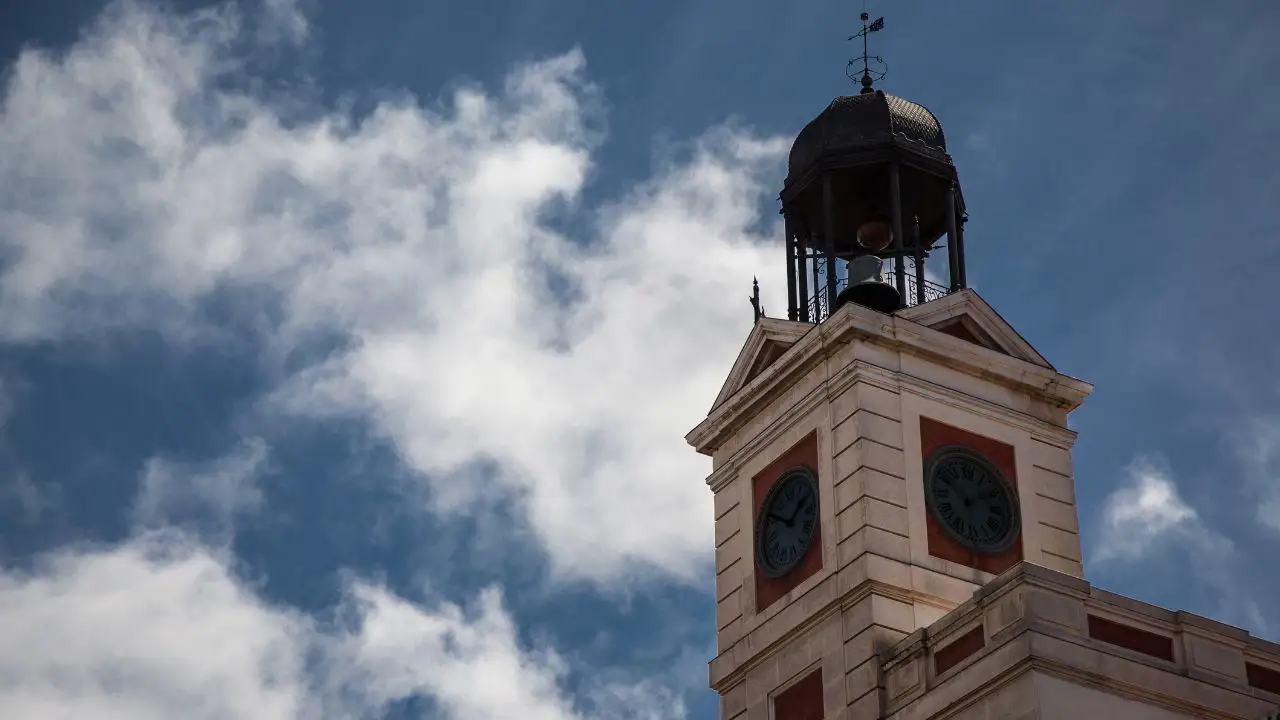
x: 160, y: 627
x: 1144, y: 510
x: 515, y: 346
x: 1146, y: 517
x: 154, y: 629
x: 468, y: 661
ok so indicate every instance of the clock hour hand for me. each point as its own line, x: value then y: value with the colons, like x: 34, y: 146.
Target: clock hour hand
x: 800, y: 506
x: 963, y: 495
x: 779, y: 518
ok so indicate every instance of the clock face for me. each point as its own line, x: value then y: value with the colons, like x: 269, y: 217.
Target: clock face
x: 787, y: 522
x: 971, y: 500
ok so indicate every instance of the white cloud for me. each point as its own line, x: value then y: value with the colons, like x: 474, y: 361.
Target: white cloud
x: 1146, y: 517
x: 154, y: 629
x: 420, y: 241
x: 450, y: 656
x: 1144, y: 510
x: 423, y: 243
x: 206, y: 497
x: 161, y: 628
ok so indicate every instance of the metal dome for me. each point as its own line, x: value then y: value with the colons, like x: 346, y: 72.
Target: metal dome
x: 856, y: 121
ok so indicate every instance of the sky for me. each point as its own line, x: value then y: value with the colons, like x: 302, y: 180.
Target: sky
x: 347, y: 348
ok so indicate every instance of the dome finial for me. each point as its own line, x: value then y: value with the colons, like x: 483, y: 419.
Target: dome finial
x: 868, y: 76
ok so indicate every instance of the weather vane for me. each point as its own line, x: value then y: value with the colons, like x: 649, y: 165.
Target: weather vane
x: 868, y: 75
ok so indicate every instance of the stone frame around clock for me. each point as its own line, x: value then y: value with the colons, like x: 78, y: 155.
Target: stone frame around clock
x: 808, y: 475
x: 1014, y: 531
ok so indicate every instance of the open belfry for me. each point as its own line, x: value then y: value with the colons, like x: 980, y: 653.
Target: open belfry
x: 895, y: 522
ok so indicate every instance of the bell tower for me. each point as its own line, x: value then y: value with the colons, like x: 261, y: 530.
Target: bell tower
x: 887, y: 449
x: 869, y: 181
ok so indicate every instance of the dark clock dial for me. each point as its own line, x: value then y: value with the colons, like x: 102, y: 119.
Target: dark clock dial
x: 971, y: 500
x: 787, y: 522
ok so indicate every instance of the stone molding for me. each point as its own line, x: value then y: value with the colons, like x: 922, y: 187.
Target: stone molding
x: 859, y: 371
x: 1036, y: 619
x: 900, y: 335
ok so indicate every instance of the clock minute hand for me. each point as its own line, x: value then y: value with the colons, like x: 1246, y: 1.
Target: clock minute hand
x: 779, y: 518
x: 799, y: 506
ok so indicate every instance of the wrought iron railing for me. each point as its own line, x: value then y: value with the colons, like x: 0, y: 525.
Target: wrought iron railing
x: 819, y: 305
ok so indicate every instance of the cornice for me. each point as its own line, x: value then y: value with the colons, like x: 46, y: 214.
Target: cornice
x: 774, y: 380
x: 729, y: 470
x: 853, y: 322
x: 838, y: 605
x: 766, y: 330
x: 863, y: 372
x: 831, y: 387
x: 739, y: 673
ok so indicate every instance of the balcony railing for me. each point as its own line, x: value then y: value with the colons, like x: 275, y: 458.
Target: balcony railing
x: 819, y: 306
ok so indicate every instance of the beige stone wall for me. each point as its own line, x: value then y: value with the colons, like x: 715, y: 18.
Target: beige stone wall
x: 1030, y: 695
x: 1061, y: 699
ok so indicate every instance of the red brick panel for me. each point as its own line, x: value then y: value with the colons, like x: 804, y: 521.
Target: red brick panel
x: 934, y: 435
x: 954, y: 652
x: 1263, y: 678
x: 958, y: 330
x: 768, y: 591
x: 1131, y: 638
x: 802, y: 701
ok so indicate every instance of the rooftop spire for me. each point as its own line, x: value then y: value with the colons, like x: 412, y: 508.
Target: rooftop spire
x: 868, y: 76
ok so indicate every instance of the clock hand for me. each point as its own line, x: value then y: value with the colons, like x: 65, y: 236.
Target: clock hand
x: 799, y: 506
x: 963, y: 495
x: 779, y: 518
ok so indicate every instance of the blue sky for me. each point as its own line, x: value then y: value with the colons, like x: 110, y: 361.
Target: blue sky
x: 347, y: 349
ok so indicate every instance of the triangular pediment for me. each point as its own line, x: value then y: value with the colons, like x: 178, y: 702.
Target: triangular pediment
x: 965, y: 315
x: 768, y: 341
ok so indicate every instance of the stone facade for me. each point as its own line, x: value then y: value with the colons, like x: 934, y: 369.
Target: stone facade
x: 866, y: 629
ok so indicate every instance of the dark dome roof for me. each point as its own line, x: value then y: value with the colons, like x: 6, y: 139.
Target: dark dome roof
x: 856, y: 121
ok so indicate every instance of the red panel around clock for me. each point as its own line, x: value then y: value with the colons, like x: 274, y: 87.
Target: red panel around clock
x: 934, y: 435
x: 769, y: 591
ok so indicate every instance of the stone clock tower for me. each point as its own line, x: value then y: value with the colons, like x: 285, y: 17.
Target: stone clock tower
x: 895, y: 521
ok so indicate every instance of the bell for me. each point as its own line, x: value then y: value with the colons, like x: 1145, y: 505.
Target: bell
x: 868, y: 288
x: 874, y: 235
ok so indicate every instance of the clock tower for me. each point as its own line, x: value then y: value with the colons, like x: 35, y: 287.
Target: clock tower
x: 890, y: 447
x: 891, y: 464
